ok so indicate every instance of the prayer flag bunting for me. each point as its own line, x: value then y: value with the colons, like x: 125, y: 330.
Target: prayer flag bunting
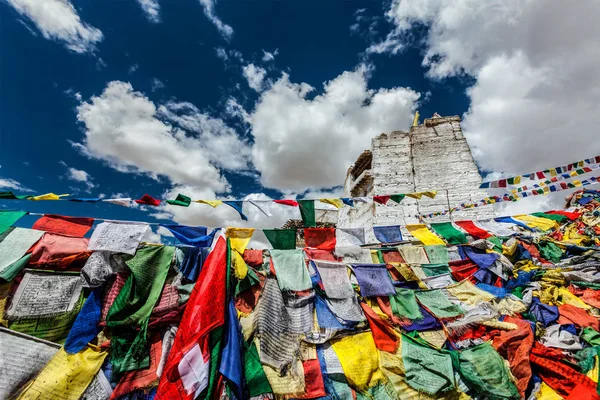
x: 307, y: 211
x: 180, y: 200
x: 237, y: 206
x: 148, y: 200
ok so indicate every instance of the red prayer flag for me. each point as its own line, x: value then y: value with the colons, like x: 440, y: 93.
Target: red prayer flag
x: 383, y: 334
x: 291, y: 203
x: 473, y: 229
x: 204, y: 312
x: 571, y: 215
x: 148, y: 200
x: 381, y: 199
x: 320, y: 238
x: 540, y: 175
x: 502, y: 183
x: 70, y: 226
x: 313, y: 379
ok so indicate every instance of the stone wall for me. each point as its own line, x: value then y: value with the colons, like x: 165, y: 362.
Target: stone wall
x: 432, y: 156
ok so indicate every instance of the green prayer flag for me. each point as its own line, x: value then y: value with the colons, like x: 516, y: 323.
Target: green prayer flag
x: 550, y: 251
x: 554, y: 217
x: 397, y: 197
x: 291, y: 270
x: 404, y: 304
x: 497, y: 242
x: 591, y: 336
x: 435, y: 269
x: 13, y: 269
x: 133, y: 305
x: 180, y: 200
x: 428, y: 369
x: 307, y: 211
x: 256, y: 379
x: 437, y: 303
x: 281, y: 239
x: 244, y: 284
x: 8, y: 218
x: 449, y: 232
x: 483, y: 370
x: 437, y: 254
x: 12, y: 196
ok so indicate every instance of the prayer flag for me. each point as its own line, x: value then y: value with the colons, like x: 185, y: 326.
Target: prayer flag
x: 192, y: 235
x: 449, y: 232
x: 47, y: 196
x: 8, y: 218
x: 180, y: 200
x: 420, y: 232
x: 337, y: 203
x: 320, y: 238
x: 348, y: 201
x: 148, y: 200
x: 70, y: 226
x: 237, y: 206
x: 212, y: 203
x: 307, y: 211
x: 238, y: 241
x: 291, y: 203
x: 263, y: 206
x: 388, y: 234
x: 381, y: 199
x: 281, y: 239
x: 397, y: 197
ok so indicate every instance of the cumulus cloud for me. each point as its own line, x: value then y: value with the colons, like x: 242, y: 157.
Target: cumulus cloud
x: 309, y: 143
x: 535, y: 97
x: 209, y: 10
x: 81, y: 176
x: 126, y: 130
x: 255, y: 76
x: 157, y: 84
x: 151, y: 9
x: 269, y: 56
x: 58, y: 20
x: 11, y: 184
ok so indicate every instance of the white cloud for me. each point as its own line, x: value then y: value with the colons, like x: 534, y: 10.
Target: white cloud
x: 535, y: 98
x: 209, y: 10
x: 157, y: 84
x: 133, y: 68
x: 11, y: 184
x: 269, y: 56
x: 81, y: 176
x: 229, y: 56
x: 305, y: 143
x: 125, y: 129
x: 151, y: 9
x: 255, y: 76
x: 58, y: 20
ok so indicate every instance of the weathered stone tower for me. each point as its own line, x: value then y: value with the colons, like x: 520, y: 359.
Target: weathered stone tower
x: 432, y: 156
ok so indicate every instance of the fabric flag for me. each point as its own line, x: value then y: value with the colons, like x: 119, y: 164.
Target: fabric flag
x: 359, y: 359
x: 364, y: 199
x: 231, y: 359
x: 263, y: 206
x: 47, y: 196
x: 397, y: 197
x: 66, y: 376
x: 428, y: 370
x: 290, y: 270
x: 373, y: 280
x: 404, y: 304
x: 12, y: 270
x: 437, y: 303
x: 381, y: 199
x: 69, y: 226
x: 423, y: 234
x: 255, y: 377
x: 416, y: 195
x: 238, y: 239
x: 12, y: 196
x: 281, y: 239
x: 8, y: 218
x: 187, y: 371
x: 320, y: 238
x: 350, y: 236
x: 15, y: 245
x: 334, y: 277
x: 348, y: 201
x: 473, y: 229
x: 542, y: 224
x: 484, y: 370
x: 180, y: 200
x: 192, y: 235
x: 307, y: 211
x: 237, y: 206
x: 125, y: 201
x: 449, y: 232
x: 84, y: 199
x: 388, y: 234
x: 437, y: 254
x: 337, y: 203
x: 383, y: 334
x: 291, y: 203
x: 134, y: 303
x: 117, y: 237
x: 212, y: 203
x: 85, y: 328
x: 148, y: 200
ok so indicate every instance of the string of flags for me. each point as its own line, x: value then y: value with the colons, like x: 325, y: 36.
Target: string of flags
x: 558, y: 173
x: 516, y: 195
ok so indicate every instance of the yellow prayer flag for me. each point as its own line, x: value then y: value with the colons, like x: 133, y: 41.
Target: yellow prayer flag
x: 416, y: 119
x: 546, y: 189
x: 212, y: 203
x: 593, y: 373
x: 543, y: 224
x: 552, y: 172
x: 66, y: 376
x: 47, y: 196
x: 359, y: 359
x: 517, y: 180
x: 416, y: 195
x: 238, y: 241
x: 338, y: 203
x: 422, y: 233
x: 547, y: 393
x: 467, y: 292
x: 431, y: 194
x: 577, y: 183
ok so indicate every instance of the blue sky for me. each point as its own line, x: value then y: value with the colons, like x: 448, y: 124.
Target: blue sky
x: 273, y: 98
